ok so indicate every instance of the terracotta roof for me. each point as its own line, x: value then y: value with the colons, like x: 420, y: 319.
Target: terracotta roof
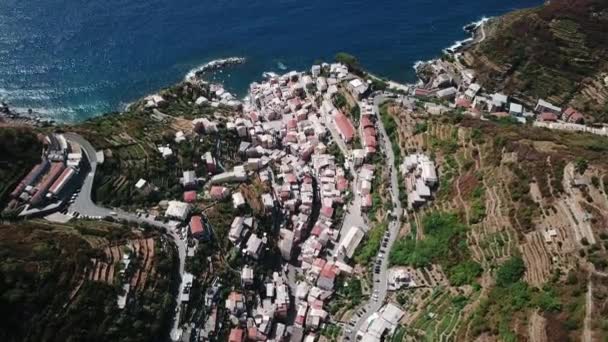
x: 236, y: 335
x: 196, y: 225
x: 548, y: 116
x: 190, y: 196
x: 345, y: 126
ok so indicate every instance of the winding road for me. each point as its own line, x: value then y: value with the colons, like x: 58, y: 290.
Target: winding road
x: 84, y: 205
x: 380, y: 285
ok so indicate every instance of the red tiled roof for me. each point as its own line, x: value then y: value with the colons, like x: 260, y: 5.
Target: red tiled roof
x: 366, y: 122
x: 327, y: 212
x: 572, y: 115
x: 190, y: 196
x: 196, y: 225
x: 463, y: 103
x: 329, y: 271
x: 345, y: 126
x: 217, y: 191
x: 236, y: 335
x: 342, y: 184
x: 548, y: 116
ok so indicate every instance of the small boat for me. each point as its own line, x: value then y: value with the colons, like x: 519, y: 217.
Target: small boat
x: 281, y: 66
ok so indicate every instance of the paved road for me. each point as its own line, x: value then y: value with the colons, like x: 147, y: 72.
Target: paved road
x: 380, y: 284
x: 86, y: 207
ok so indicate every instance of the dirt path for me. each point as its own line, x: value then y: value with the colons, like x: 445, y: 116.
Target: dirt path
x: 587, y: 333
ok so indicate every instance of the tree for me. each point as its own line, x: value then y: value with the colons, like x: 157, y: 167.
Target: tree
x: 581, y: 165
x: 510, y: 272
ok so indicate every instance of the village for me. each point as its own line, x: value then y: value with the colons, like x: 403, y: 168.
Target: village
x: 314, y: 166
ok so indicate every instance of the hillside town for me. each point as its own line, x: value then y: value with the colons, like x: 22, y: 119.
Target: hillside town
x: 449, y: 85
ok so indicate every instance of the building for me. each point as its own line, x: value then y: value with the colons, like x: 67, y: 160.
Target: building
x: 349, y: 244
x: 247, y: 276
x: 189, y: 179
x: 235, y: 303
x: 178, y: 210
x: 358, y: 88
x: 236, y: 335
x: 62, y: 181
x: 190, y: 196
x: 516, y: 109
x: 345, y: 126
x: 218, y: 193
x: 447, y: 93
x: 573, y: 116
x: 238, y: 200
x: 254, y: 246
x: 198, y: 229
x: 543, y: 106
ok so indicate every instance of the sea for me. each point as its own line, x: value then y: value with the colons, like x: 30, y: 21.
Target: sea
x: 69, y: 60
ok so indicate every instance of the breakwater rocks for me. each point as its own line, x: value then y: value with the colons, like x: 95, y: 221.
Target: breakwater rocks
x: 213, y: 66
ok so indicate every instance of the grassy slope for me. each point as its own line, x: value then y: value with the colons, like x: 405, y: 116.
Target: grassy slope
x: 554, y: 51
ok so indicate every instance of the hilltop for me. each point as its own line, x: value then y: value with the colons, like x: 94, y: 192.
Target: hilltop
x: 557, y: 51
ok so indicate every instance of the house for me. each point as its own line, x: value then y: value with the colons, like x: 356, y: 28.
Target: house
x: 357, y: 88
x: 254, y: 246
x: 197, y: 228
x: 178, y: 210
x: 498, y: 102
x: 235, y: 303
x: 516, y: 109
x: 218, y: 193
x: 140, y: 184
x: 189, y: 179
x: 548, y: 117
x: 236, y: 229
x: 429, y: 174
x: 327, y: 277
x: 247, y: 276
x: 190, y: 196
x: 238, y: 200
x: 268, y: 201
x: 545, y: 107
x: 573, y: 116
x: 447, y: 93
x: 210, y: 163
x: 472, y: 91
x: 345, y: 126
x: 236, y: 335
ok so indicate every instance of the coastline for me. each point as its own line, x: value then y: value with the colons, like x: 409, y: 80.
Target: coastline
x: 9, y: 116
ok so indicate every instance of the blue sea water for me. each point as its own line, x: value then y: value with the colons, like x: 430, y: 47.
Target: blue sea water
x: 73, y: 59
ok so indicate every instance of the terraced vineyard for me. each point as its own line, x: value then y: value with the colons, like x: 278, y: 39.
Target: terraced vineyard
x: 522, y: 193
x: 61, y: 283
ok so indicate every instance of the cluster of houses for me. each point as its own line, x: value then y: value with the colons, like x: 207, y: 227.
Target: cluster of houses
x: 457, y: 85
x: 46, y: 185
x: 286, y: 126
x: 420, y: 177
x: 259, y: 317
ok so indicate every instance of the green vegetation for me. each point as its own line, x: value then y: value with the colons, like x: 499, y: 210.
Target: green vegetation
x: 19, y: 151
x: 369, y: 248
x: 46, y: 294
x: 351, y: 62
x: 444, y: 244
x: 478, y: 207
x: 390, y: 125
x: 546, y: 52
x: 510, y: 272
